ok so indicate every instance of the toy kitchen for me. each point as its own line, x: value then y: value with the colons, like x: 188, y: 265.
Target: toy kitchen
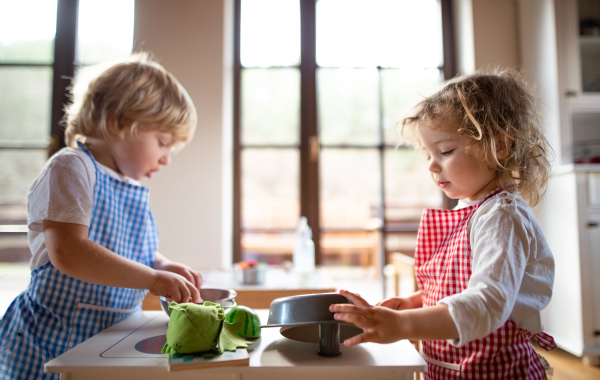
x: 289, y: 347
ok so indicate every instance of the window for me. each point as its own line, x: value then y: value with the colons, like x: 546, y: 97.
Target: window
x: 35, y: 68
x: 320, y: 86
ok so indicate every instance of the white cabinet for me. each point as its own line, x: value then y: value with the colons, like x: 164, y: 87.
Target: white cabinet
x: 594, y: 238
x: 578, y: 60
x: 570, y: 218
x: 565, y: 66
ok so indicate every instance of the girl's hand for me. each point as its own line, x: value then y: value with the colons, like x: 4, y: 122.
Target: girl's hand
x: 395, y: 303
x: 174, y: 287
x: 379, y: 324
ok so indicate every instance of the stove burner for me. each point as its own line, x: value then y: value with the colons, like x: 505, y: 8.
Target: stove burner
x: 152, y: 345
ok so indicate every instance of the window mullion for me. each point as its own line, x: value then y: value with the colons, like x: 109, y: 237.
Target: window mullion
x: 64, y: 66
x: 237, y: 122
x: 381, y: 252
x: 309, y: 166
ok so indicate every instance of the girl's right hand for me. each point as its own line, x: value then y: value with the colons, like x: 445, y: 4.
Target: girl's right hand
x: 174, y: 287
x: 395, y: 303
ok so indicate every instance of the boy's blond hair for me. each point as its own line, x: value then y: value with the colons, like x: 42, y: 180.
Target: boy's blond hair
x: 128, y: 94
x: 500, y: 113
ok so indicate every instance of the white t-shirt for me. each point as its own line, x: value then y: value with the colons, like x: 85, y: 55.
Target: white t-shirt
x: 512, y: 271
x: 62, y: 192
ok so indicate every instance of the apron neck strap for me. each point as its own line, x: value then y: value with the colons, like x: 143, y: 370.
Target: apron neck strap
x: 87, y: 151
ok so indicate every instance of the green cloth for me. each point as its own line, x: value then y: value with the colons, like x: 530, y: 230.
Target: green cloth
x: 201, y: 328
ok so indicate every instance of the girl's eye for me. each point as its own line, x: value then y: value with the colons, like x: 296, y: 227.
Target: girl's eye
x: 448, y: 152
x: 161, y: 144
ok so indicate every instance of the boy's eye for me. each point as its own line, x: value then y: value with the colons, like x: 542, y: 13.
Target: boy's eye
x: 448, y: 152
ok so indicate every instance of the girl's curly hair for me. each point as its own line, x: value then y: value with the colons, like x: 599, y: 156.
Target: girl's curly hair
x: 499, y: 111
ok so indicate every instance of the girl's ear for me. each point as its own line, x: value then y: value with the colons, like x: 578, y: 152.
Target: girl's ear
x: 503, y: 144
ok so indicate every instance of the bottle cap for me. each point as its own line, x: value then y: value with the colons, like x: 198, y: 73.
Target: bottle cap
x: 303, y: 228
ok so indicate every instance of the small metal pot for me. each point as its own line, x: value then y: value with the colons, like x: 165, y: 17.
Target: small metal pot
x: 224, y: 297
x: 250, y: 276
x: 300, y: 312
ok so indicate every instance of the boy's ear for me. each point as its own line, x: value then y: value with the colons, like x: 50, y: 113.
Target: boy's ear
x: 110, y: 124
x: 112, y: 130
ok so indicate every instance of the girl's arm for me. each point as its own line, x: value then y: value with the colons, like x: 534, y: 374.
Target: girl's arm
x: 72, y: 253
x: 384, y: 325
x: 162, y: 263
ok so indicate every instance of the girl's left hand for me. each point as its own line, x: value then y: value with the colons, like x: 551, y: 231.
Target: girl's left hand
x: 379, y: 324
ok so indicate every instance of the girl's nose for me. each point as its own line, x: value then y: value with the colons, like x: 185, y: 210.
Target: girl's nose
x: 434, y: 167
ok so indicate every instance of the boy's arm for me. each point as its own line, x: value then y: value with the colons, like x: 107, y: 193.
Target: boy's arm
x: 72, y: 253
x: 384, y: 325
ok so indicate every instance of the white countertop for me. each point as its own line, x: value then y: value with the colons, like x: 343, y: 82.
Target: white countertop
x: 112, y: 351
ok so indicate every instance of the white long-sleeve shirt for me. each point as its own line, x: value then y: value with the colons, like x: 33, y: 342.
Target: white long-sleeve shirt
x: 512, y: 271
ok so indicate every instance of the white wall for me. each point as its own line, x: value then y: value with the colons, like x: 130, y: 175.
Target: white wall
x: 539, y: 60
x: 486, y: 34
x: 463, y: 34
x: 188, y: 197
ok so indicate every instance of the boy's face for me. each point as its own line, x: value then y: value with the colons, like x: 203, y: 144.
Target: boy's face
x: 142, y: 154
x: 458, y: 174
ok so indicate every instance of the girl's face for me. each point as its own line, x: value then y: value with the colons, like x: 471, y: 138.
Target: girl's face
x: 141, y: 154
x: 458, y: 174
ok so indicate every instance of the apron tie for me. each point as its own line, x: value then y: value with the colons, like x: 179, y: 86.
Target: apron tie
x: 545, y: 341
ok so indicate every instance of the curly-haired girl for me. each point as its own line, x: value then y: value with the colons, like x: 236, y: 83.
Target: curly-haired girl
x: 484, y: 269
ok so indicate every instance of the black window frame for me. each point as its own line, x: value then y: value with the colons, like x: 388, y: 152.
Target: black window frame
x: 63, y: 68
x: 309, y: 168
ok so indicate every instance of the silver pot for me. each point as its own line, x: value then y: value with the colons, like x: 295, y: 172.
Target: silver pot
x: 298, y: 314
x: 224, y: 297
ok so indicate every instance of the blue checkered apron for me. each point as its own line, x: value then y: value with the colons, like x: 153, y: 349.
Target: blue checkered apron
x: 57, y: 312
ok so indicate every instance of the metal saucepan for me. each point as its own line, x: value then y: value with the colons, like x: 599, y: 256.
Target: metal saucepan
x: 224, y: 297
x: 295, y: 314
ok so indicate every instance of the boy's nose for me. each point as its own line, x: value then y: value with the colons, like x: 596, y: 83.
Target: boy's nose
x: 165, y: 159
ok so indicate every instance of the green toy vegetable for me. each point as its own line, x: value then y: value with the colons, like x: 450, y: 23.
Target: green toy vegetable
x: 251, y: 328
x: 201, y: 328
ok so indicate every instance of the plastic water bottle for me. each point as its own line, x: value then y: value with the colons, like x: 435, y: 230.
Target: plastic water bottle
x: 304, y: 248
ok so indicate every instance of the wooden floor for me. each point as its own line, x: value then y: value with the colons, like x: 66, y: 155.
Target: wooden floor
x: 568, y: 367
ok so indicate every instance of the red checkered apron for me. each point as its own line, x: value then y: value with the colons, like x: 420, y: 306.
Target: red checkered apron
x: 443, y: 267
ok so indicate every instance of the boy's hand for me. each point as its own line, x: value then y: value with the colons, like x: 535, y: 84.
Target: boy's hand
x: 174, y: 287
x: 380, y: 324
x: 191, y: 275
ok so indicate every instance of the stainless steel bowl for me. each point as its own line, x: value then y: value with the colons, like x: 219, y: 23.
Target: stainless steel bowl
x: 224, y: 297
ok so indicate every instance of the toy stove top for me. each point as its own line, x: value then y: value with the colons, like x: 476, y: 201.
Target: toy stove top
x: 113, y: 351
x: 146, y: 341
